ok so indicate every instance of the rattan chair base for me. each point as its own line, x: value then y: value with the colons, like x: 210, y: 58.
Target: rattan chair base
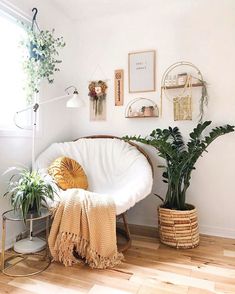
x: 125, y: 233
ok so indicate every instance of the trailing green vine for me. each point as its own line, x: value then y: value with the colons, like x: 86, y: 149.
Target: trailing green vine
x: 40, y: 59
x: 203, y: 100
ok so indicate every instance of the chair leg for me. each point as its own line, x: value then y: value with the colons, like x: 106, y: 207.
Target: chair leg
x: 125, y: 232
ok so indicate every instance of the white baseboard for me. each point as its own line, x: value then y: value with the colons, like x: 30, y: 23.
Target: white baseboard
x: 203, y: 229
x: 150, y: 230
x: 217, y: 231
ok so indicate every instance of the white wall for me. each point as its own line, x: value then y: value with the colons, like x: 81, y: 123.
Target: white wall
x: 200, y: 31
x: 55, y: 124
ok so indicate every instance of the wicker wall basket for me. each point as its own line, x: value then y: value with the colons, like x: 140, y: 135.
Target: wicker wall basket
x: 178, y: 228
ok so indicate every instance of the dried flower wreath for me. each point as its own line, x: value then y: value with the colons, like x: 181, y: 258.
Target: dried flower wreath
x: 97, y: 94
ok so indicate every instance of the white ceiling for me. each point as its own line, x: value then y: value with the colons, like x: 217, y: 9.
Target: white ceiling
x: 87, y: 9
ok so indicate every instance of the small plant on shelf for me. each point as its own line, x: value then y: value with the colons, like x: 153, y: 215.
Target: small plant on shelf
x: 147, y: 110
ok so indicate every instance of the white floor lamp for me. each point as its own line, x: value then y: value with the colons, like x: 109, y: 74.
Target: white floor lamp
x: 35, y: 244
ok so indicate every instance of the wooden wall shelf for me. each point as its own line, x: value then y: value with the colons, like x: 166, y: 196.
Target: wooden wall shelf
x: 181, y: 86
x: 141, y: 108
x: 140, y: 116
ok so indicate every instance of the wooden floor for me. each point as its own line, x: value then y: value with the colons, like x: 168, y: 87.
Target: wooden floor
x: 149, y: 268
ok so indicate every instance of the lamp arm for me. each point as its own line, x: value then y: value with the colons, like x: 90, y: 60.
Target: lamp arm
x: 35, y: 106
x: 53, y: 99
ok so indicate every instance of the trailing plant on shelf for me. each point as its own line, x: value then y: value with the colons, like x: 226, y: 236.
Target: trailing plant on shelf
x: 180, y: 158
x: 28, y: 191
x: 40, y: 60
x: 203, y: 100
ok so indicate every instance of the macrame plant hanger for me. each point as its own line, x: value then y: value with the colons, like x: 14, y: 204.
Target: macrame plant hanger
x: 33, y: 53
x: 34, y: 20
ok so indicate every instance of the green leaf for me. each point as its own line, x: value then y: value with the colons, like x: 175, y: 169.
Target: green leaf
x: 30, y: 188
x: 42, y: 63
x: 180, y: 157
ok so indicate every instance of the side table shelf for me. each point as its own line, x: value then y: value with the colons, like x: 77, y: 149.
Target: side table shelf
x: 25, y: 264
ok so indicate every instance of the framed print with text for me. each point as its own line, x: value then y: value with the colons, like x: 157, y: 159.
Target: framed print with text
x: 141, y: 71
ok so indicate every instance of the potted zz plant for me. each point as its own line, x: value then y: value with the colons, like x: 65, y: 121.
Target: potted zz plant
x: 29, y: 191
x: 178, y: 225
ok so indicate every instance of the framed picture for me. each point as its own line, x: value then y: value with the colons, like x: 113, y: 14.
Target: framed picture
x: 141, y: 71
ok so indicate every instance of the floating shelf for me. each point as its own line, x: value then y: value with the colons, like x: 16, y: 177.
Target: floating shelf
x: 181, y: 86
x: 141, y: 108
x: 141, y: 116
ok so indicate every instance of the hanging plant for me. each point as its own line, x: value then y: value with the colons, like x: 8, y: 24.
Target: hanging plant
x: 40, y: 59
x: 97, y: 94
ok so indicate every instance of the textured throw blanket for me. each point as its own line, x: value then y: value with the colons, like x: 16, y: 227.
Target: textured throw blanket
x: 85, y: 224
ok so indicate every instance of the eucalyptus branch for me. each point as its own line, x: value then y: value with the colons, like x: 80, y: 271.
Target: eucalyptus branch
x: 40, y: 58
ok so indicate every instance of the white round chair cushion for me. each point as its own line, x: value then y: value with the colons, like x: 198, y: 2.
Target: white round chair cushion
x: 112, y: 166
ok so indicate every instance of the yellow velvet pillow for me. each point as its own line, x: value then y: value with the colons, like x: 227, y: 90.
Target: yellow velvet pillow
x: 68, y: 173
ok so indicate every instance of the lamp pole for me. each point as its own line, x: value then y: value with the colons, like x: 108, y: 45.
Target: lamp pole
x: 34, y: 244
x: 73, y: 102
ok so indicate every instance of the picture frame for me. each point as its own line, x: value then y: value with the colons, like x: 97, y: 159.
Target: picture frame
x: 142, y: 71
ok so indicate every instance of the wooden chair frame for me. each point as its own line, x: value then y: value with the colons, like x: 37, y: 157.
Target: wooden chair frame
x: 125, y: 232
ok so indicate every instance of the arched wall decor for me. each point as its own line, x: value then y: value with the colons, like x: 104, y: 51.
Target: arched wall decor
x: 184, y: 82
x: 141, y: 108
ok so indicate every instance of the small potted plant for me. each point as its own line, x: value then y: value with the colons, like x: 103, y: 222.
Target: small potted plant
x: 178, y: 225
x: 147, y: 110
x: 29, y: 191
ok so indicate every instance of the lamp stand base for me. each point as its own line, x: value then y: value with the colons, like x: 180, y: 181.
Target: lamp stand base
x: 27, y: 246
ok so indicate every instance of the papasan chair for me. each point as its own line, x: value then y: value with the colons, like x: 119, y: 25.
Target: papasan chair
x: 113, y: 167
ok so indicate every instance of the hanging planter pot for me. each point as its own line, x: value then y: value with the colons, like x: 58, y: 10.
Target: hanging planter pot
x: 32, y: 51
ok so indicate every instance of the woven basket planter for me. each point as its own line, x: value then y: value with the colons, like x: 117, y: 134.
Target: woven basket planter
x: 178, y: 228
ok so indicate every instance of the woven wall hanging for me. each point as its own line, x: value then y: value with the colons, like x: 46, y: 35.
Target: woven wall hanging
x: 97, y: 94
x: 183, y: 103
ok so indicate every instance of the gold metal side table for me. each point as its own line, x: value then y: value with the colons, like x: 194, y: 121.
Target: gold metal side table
x: 27, y: 264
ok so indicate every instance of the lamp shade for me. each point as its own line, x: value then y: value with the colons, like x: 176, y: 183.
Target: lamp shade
x: 75, y: 101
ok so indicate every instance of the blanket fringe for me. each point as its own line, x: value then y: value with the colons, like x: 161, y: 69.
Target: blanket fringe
x: 67, y: 243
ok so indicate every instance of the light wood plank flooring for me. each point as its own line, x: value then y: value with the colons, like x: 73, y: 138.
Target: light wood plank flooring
x: 149, y: 268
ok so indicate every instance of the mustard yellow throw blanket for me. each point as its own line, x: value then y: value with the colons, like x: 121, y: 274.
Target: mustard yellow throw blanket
x: 85, y: 223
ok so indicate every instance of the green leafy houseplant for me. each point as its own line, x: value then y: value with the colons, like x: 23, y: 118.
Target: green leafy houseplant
x: 180, y: 158
x: 40, y: 59
x: 29, y: 191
